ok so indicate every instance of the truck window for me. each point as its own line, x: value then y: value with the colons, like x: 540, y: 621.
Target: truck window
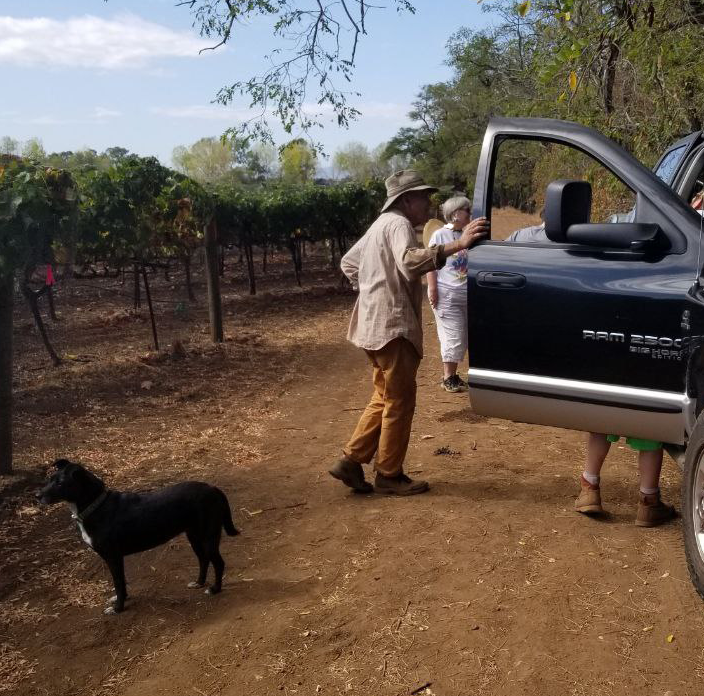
x: 667, y: 168
x: 524, y: 168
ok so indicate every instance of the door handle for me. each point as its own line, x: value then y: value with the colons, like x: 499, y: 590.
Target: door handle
x: 500, y: 279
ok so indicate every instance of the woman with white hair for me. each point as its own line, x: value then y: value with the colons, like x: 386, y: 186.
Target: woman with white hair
x: 447, y: 292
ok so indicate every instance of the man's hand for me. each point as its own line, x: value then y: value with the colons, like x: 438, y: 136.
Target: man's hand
x: 471, y: 233
x: 474, y: 231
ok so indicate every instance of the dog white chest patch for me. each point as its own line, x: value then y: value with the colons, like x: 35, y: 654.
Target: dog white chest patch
x: 84, y: 534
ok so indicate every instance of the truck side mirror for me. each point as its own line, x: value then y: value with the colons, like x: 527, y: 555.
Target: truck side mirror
x: 627, y: 236
x: 567, y: 203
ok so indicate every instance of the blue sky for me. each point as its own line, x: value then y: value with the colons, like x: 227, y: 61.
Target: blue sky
x: 95, y: 74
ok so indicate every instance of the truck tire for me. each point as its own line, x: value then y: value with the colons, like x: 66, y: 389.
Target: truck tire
x: 693, y: 506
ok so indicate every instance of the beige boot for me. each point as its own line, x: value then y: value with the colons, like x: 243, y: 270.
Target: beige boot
x: 589, y: 499
x: 652, y: 511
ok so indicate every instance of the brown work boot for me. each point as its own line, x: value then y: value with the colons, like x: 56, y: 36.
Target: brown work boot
x: 399, y: 485
x: 652, y: 511
x: 351, y: 474
x: 589, y: 499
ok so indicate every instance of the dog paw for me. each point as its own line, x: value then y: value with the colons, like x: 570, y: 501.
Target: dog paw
x: 212, y: 591
x: 194, y: 585
x: 110, y: 611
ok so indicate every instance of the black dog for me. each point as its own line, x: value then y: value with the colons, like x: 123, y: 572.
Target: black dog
x: 116, y: 524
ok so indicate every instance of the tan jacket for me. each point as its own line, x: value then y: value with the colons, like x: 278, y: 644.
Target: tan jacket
x: 386, y: 264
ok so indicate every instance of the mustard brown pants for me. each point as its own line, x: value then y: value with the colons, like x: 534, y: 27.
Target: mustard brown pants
x: 384, y: 428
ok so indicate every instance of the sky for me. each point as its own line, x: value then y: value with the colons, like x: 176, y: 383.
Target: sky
x: 93, y: 74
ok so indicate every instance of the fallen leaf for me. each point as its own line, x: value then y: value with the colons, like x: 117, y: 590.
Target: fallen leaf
x: 670, y: 638
x: 427, y: 437
x: 665, y: 575
x: 147, y: 384
x: 647, y: 628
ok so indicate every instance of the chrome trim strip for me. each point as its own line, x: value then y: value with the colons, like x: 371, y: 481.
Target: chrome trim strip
x: 577, y: 405
x: 572, y: 389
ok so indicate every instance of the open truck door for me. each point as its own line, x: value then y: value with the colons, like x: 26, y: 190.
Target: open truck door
x: 584, y: 330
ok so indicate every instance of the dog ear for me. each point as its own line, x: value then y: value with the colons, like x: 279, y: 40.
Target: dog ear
x: 61, y: 464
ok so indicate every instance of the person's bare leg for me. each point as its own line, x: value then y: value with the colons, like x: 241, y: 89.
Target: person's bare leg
x: 449, y: 369
x: 651, y: 510
x: 589, y: 498
x: 649, y: 467
x: 597, y: 449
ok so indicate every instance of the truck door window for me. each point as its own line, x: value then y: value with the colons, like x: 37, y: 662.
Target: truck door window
x: 523, y: 170
x: 668, y: 166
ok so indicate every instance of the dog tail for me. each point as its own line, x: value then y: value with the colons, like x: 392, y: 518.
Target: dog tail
x: 227, y: 523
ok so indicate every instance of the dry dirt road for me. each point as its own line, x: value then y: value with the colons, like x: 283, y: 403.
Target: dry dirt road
x: 488, y: 584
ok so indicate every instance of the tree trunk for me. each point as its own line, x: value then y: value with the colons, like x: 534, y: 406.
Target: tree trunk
x: 50, y: 298
x: 609, y: 78
x: 149, y: 303
x: 221, y: 260
x: 214, y: 300
x: 264, y: 249
x: 6, y: 291
x: 249, y: 255
x: 33, y: 301
x: 295, y: 249
x: 137, y: 295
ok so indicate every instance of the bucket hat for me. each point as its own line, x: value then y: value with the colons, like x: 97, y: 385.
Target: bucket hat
x: 402, y: 182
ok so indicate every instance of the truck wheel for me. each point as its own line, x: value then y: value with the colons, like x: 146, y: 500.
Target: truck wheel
x: 693, y: 506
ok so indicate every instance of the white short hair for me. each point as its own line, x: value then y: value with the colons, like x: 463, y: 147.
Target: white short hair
x: 452, y: 205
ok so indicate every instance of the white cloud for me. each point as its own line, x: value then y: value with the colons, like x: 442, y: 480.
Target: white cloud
x: 125, y: 41
x: 99, y: 114
x: 102, y: 113
x: 201, y: 112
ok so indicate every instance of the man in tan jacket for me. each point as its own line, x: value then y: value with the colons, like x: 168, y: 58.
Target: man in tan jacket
x: 386, y: 265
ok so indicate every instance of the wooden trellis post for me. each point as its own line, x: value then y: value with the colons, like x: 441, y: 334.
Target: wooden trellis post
x: 213, y: 277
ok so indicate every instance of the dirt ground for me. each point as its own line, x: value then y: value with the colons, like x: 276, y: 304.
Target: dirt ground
x: 488, y: 584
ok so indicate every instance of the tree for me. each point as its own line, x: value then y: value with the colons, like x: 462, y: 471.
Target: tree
x: 323, y: 40
x: 359, y: 163
x: 115, y: 155
x: 34, y: 150
x: 36, y: 215
x: 355, y: 161
x: 298, y: 162
x: 206, y: 161
x: 9, y: 146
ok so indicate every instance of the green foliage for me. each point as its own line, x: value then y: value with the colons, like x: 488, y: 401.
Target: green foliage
x: 206, y: 161
x: 632, y: 69
x: 120, y: 210
x: 37, y: 207
x: 321, y: 53
x: 132, y: 209
x: 358, y: 163
x: 274, y: 215
x: 298, y: 162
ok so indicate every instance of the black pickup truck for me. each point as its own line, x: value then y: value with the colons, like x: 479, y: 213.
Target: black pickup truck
x: 600, y: 328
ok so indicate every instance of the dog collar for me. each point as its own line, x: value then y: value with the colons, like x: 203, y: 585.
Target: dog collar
x: 93, y: 506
